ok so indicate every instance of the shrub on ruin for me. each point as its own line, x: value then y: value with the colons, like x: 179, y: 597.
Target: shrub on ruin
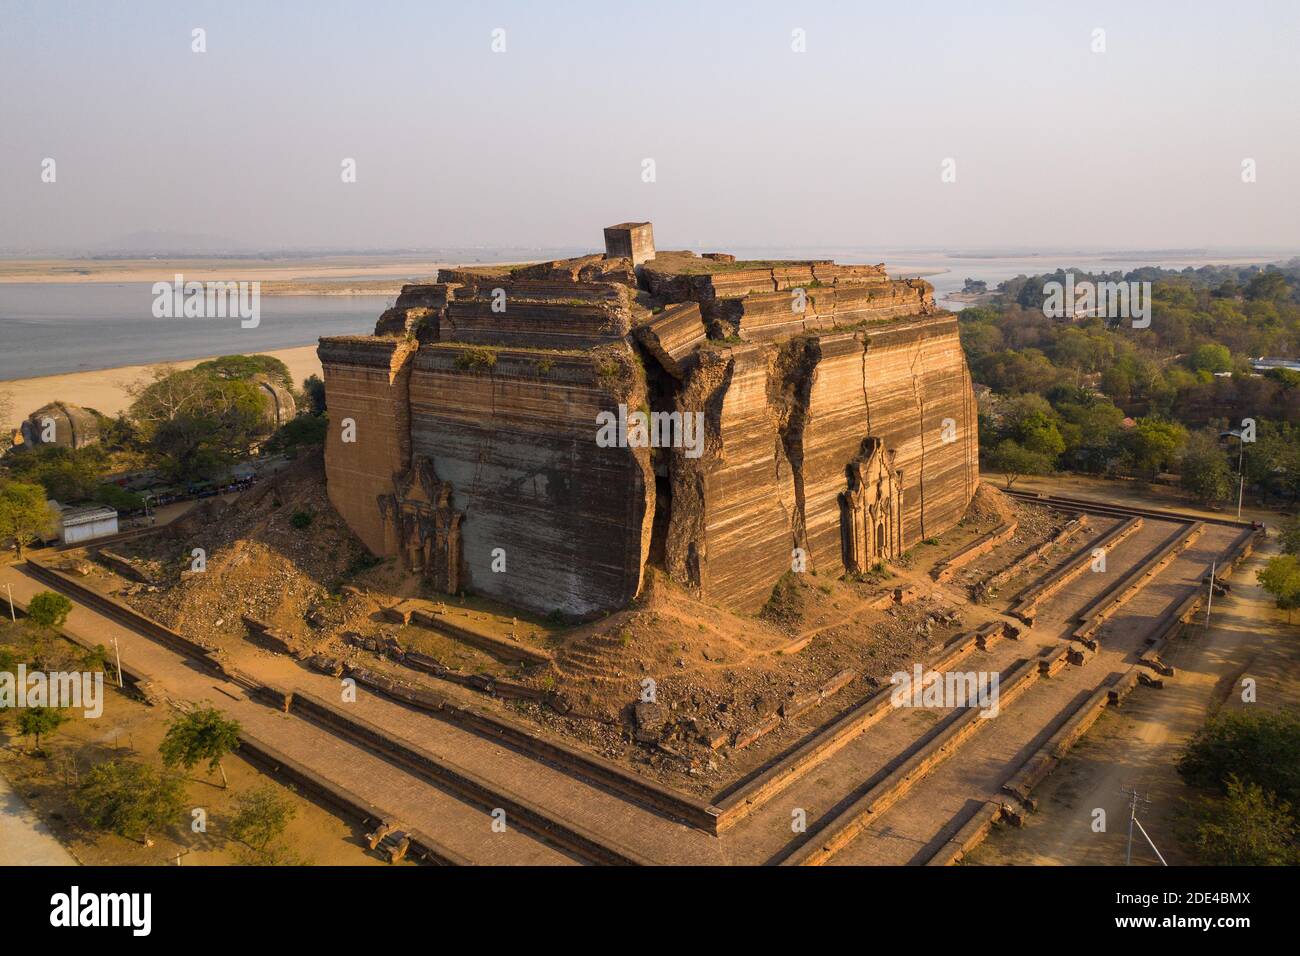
x: 313, y: 390
x: 300, y: 519
x: 476, y: 360
x: 786, y: 603
x: 304, y: 431
x: 130, y: 799
x: 48, y: 609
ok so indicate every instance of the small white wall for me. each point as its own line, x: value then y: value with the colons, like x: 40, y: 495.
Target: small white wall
x: 90, y: 530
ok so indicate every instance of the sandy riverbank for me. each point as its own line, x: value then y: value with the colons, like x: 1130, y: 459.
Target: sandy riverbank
x: 105, y: 389
x: 223, y: 269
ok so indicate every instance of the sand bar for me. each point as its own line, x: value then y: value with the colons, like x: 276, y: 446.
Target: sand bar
x: 105, y: 389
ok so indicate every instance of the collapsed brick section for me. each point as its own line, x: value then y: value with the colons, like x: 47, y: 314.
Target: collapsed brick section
x: 839, y: 425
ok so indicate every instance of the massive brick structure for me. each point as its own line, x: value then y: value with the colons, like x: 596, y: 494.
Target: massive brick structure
x: 530, y: 434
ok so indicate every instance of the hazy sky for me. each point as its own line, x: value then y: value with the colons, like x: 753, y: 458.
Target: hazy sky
x: 1055, y: 146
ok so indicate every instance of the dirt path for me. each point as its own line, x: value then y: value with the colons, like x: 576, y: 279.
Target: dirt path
x: 1137, y: 746
x: 24, y: 839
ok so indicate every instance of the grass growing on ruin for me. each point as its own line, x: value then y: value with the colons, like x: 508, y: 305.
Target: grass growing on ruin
x: 477, y: 360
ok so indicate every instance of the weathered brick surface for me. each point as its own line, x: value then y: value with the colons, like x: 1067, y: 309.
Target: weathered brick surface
x: 838, y: 415
x: 367, y: 380
x: 517, y: 444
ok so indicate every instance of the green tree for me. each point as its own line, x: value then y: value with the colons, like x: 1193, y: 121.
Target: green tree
x: 202, y: 734
x: 1015, y: 461
x: 304, y: 431
x: 1153, y: 444
x: 49, y: 609
x: 261, y: 816
x: 247, y: 366
x: 1268, y: 286
x: 313, y: 387
x: 1211, y: 358
x: 1280, y: 577
x: 38, y: 721
x: 197, y: 423
x: 130, y: 799
x: 1262, y: 748
x: 66, y: 474
x: 25, y: 515
x: 1249, y: 826
x: 1289, y: 536
x: 1204, y: 470
x: 119, y: 499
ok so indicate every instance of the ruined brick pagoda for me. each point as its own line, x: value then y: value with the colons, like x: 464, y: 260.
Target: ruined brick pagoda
x: 839, y: 425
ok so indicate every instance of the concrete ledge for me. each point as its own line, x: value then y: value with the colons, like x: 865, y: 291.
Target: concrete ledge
x: 1119, y: 690
x: 1053, y: 659
x: 1044, y: 760
x: 845, y: 826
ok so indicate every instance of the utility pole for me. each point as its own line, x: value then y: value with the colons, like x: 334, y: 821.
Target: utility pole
x: 118, y: 652
x: 1133, y: 821
x: 10, y: 588
x: 1241, y: 464
x: 1209, y: 603
x: 1241, y: 473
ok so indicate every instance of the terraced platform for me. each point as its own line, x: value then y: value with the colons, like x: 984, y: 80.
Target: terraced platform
x: 876, y: 785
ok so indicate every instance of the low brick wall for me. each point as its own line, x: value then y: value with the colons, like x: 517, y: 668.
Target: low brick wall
x: 970, y: 835
x: 141, y: 682
x: 1101, y: 507
x: 496, y: 646
x: 845, y: 826
x: 1072, y: 527
x: 739, y: 802
x: 1133, y: 582
x: 565, y: 834
x: 271, y: 760
x: 342, y: 800
x: 1026, y: 604
x: 1044, y: 760
x: 115, y: 610
x: 977, y: 548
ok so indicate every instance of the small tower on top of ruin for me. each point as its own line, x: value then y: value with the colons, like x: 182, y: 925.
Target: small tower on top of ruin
x: 630, y: 240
